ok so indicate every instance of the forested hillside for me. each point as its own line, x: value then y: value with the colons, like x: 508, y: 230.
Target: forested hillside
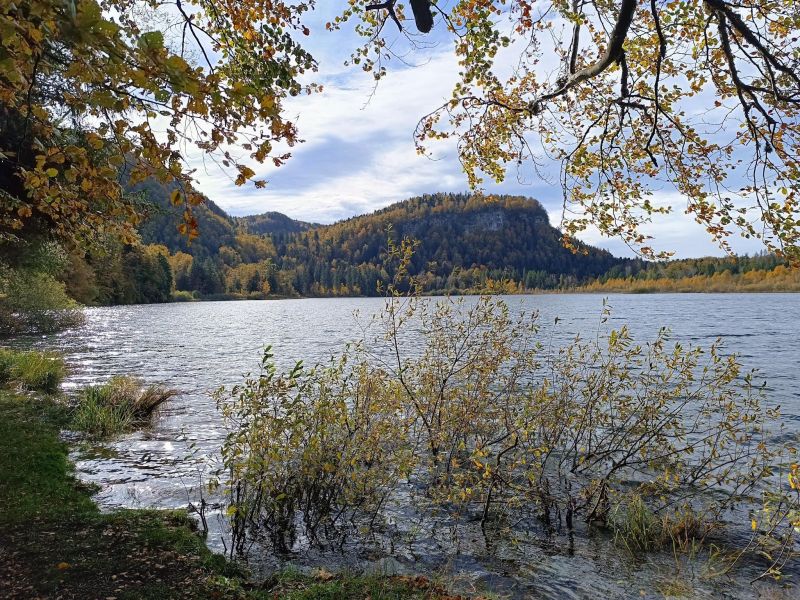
x: 270, y: 223
x: 464, y: 244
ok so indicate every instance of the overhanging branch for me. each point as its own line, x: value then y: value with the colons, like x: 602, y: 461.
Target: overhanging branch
x: 612, y: 54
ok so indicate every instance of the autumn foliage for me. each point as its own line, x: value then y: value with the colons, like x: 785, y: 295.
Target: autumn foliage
x: 92, y: 88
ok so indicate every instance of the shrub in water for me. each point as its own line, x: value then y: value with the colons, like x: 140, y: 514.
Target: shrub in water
x: 122, y: 404
x: 481, y: 422
x: 40, y: 371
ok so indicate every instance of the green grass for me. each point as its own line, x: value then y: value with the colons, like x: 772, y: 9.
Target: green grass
x: 54, y: 543
x: 122, y: 404
x: 38, y: 371
x: 36, y: 480
x: 637, y: 528
x: 291, y: 584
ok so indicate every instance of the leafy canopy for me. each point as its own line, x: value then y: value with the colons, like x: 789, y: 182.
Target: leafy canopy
x: 633, y: 97
x: 90, y: 87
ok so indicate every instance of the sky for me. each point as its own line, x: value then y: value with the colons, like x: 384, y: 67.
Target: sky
x: 359, y: 155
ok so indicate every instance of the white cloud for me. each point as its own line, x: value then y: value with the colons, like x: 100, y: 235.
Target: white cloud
x: 674, y: 232
x: 369, y: 136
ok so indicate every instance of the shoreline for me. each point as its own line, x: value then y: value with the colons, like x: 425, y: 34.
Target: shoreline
x: 576, y: 292
x: 55, y: 542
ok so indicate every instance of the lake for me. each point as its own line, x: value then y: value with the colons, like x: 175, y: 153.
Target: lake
x: 196, y: 347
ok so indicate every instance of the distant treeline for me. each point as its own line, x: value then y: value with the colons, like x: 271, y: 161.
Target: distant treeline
x: 465, y: 244
x: 760, y: 273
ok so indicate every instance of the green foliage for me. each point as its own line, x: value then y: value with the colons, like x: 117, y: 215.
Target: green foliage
x: 657, y: 440
x: 121, y: 274
x: 33, y: 301
x: 182, y: 296
x: 31, y: 370
x: 120, y: 405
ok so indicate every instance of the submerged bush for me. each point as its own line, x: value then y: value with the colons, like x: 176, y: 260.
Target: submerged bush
x: 120, y: 405
x: 39, y: 371
x: 485, y: 423
x: 313, y: 448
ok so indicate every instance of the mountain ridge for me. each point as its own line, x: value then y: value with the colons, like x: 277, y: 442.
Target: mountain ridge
x: 464, y: 242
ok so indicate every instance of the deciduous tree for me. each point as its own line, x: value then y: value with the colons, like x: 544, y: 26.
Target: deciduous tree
x: 91, y: 87
x: 634, y: 98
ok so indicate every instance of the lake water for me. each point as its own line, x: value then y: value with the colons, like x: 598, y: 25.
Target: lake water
x: 196, y: 347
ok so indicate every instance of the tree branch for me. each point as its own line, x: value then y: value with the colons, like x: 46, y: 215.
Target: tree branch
x: 389, y: 6
x: 609, y: 57
x: 722, y: 7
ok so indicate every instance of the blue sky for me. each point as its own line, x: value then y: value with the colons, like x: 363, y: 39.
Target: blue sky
x: 359, y: 153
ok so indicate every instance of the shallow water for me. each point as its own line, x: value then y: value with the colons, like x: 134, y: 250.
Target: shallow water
x: 196, y: 347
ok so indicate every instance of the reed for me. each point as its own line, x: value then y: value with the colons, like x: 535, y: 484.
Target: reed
x: 31, y: 370
x: 118, y: 406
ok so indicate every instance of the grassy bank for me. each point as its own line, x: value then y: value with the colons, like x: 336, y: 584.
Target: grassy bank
x: 54, y: 543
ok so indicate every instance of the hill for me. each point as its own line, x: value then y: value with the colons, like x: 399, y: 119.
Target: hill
x: 465, y: 244
x: 271, y: 223
x: 217, y: 228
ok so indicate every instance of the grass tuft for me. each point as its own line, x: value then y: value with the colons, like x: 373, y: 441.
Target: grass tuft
x: 120, y: 405
x: 637, y: 528
x: 37, y: 371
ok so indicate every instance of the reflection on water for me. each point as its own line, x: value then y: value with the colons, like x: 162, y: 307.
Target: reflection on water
x: 197, y: 347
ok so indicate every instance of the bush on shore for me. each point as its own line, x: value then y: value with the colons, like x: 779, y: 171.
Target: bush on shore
x: 34, y: 302
x: 183, y: 296
x: 120, y: 405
